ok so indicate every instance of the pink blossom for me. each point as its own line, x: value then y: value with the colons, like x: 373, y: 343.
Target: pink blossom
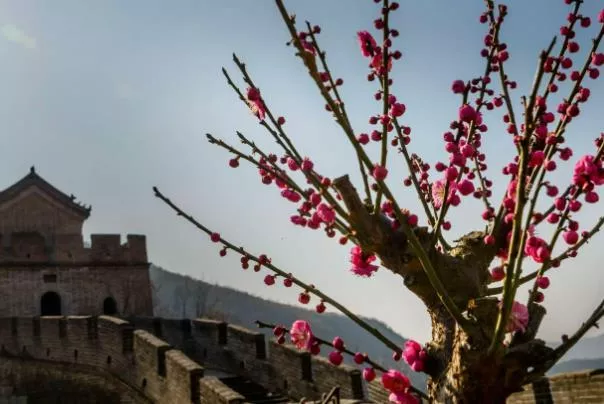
x: 298, y: 220
x: 315, y: 199
x: 254, y: 101
x: 308, y: 46
x: 597, y: 59
x: 290, y: 195
x: 307, y: 164
x: 301, y: 334
x: 591, y: 197
x: 519, y: 318
x: 601, y: 17
x: 369, y: 374
x: 458, y: 86
x: 537, y: 249
x: 551, y: 190
x: 553, y: 218
x: 395, y: 381
x: 292, y: 164
x: 588, y: 171
x: 566, y: 153
x: 571, y: 237
x: 377, y: 63
x: 411, y: 351
x: 379, y: 172
x: 397, y: 109
x: 497, y: 273
x: 338, y: 343
x: 574, y: 205
x: 336, y: 358
x: 560, y: 203
x: 326, y: 213
x: 438, y: 192
x: 511, y: 190
x: 467, y: 113
x: 537, y: 158
x: 414, y: 355
x: 467, y: 150
x: 465, y: 187
x: 361, y: 262
x: 368, y: 44
x: 543, y: 282
x: 451, y: 173
x: 403, y: 398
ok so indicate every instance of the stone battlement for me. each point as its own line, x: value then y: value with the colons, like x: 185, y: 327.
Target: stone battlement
x: 156, y: 360
x: 175, y: 361
x: 31, y: 248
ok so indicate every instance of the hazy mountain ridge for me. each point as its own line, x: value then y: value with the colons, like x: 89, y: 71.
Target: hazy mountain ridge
x: 179, y: 296
x: 574, y: 365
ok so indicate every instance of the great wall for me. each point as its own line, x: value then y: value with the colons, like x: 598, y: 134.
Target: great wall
x: 152, y: 360
x: 64, y: 337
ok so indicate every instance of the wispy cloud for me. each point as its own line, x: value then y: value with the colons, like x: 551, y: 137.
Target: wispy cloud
x: 13, y: 34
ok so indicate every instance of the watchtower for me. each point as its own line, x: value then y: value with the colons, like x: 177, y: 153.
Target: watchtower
x: 45, y: 268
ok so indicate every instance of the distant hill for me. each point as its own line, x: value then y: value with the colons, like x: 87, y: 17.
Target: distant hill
x: 179, y: 296
x: 587, y: 348
x: 588, y: 353
x: 574, y: 365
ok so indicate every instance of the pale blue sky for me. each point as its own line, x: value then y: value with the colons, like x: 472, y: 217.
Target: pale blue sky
x: 110, y: 98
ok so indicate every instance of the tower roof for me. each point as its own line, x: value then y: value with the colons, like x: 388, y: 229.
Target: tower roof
x: 32, y: 179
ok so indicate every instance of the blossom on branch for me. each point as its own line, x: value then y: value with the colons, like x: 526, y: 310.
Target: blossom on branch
x: 368, y: 45
x: 301, y: 334
x: 519, y: 318
x: 255, y: 102
x: 361, y: 263
x: 398, y: 384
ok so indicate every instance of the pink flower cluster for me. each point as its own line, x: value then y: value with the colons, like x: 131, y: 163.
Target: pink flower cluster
x: 394, y: 381
x: 256, y: 103
x: 415, y: 355
x: 588, y: 174
x: 301, y: 334
x: 537, y: 249
x: 361, y: 262
x: 399, y: 386
x: 519, y: 318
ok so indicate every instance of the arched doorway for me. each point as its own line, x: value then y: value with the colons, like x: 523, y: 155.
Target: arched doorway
x: 109, y: 306
x: 50, y: 304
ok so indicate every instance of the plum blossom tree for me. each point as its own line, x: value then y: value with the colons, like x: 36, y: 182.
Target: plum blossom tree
x: 484, y: 345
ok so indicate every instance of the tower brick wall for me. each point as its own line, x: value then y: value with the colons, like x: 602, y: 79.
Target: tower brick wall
x: 45, y: 268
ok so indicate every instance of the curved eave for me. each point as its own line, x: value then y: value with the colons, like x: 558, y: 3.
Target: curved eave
x: 33, y: 179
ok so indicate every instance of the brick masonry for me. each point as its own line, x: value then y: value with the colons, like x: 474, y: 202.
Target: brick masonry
x: 134, y: 364
x: 576, y: 387
x: 43, y: 251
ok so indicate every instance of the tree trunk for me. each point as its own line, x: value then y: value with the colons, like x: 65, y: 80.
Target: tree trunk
x: 460, y: 368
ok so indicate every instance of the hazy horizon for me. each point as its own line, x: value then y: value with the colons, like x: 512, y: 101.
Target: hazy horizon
x: 108, y: 99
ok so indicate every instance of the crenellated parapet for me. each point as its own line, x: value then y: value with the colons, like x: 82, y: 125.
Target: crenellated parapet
x: 201, y: 361
x: 238, y: 350
x: 176, y: 361
x: 148, y: 365
x: 31, y: 248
